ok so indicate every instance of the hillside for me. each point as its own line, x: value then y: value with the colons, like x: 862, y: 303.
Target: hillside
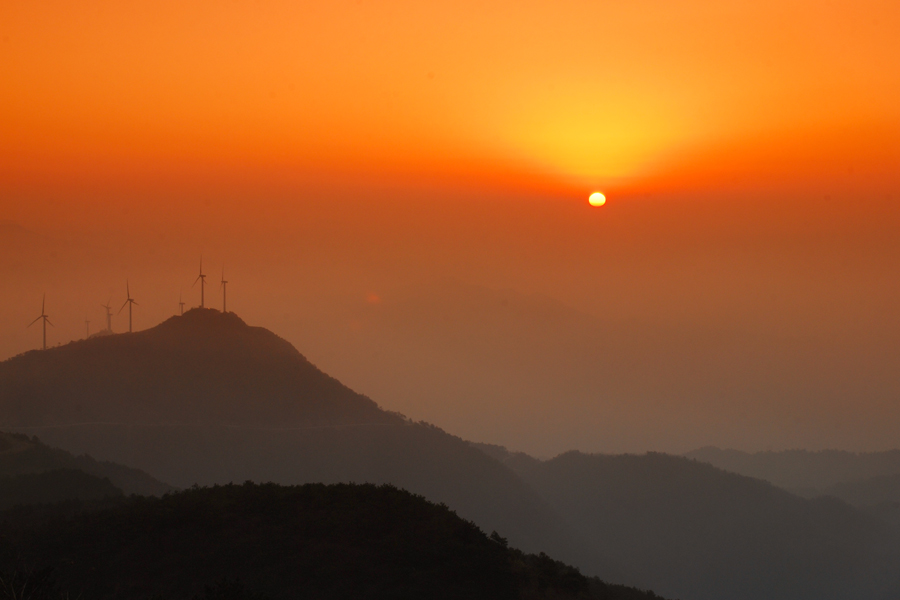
x: 21, y: 455
x: 678, y: 526
x: 50, y: 487
x: 868, y: 492
x: 203, y: 367
x: 687, y: 529
x: 802, y: 471
x: 879, y: 496
x: 314, y: 541
x: 206, y: 399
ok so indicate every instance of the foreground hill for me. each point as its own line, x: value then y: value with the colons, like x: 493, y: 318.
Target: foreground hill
x: 687, y: 529
x: 206, y: 399
x: 26, y: 458
x: 314, y: 541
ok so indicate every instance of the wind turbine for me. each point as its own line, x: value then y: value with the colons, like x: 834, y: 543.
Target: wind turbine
x: 129, y: 302
x: 180, y: 303
x: 45, y: 318
x: 202, y: 280
x: 108, y: 315
x: 224, y: 291
x: 87, y: 329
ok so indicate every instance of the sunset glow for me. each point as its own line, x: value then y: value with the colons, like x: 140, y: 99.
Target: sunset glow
x: 591, y: 294
x: 163, y: 88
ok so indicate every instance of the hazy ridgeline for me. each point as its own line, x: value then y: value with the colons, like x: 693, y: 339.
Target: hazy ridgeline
x: 809, y: 473
x: 867, y: 480
x: 205, y: 399
x: 691, y: 530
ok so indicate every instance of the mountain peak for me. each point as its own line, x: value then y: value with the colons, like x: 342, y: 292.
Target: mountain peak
x: 204, y: 318
x: 202, y: 367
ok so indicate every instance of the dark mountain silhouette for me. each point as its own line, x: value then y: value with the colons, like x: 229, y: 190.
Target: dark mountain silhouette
x: 205, y: 399
x: 801, y: 471
x: 267, y: 541
x: 684, y: 528
x: 21, y: 456
x: 202, y: 368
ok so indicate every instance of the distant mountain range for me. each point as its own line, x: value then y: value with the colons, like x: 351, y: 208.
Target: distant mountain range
x: 866, y: 480
x: 204, y: 398
x: 691, y: 530
x: 803, y: 471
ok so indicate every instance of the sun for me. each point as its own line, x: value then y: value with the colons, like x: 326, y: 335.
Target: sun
x: 597, y: 199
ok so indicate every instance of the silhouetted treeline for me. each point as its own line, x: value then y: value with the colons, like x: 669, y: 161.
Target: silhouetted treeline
x: 268, y: 541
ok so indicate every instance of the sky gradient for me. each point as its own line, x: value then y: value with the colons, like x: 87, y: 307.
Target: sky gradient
x: 378, y: 178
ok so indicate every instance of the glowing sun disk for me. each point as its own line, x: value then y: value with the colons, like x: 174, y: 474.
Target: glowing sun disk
x: 597, y: 199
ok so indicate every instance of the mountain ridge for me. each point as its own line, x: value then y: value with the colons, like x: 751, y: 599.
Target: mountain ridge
x: 808, y: 473
x: 217, y: 370
x: 689, y: 529
x: 271, y: 416
x: 672, y: 524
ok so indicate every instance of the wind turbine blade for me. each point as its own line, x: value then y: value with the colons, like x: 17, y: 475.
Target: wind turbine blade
x: 134, y: 302
x: 195, y: 282
x: 43, y: 301
x: 127, y: 289
x: 123, y: 307
x: 35, y: 321
x: 51, y: 324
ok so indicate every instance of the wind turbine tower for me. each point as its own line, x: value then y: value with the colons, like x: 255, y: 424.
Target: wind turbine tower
x: 129, y: 302
x: 180, y: 304
x: 224, y: 292
x: 87, y: 329
x: 45, y: 318
x: 202, y: 280
x: 108, y: 315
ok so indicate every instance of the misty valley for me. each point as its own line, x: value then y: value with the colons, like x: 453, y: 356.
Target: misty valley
x: 206, y: 458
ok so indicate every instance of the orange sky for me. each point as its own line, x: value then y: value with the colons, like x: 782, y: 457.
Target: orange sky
x: 329, y: 151
x: 574, y: 94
